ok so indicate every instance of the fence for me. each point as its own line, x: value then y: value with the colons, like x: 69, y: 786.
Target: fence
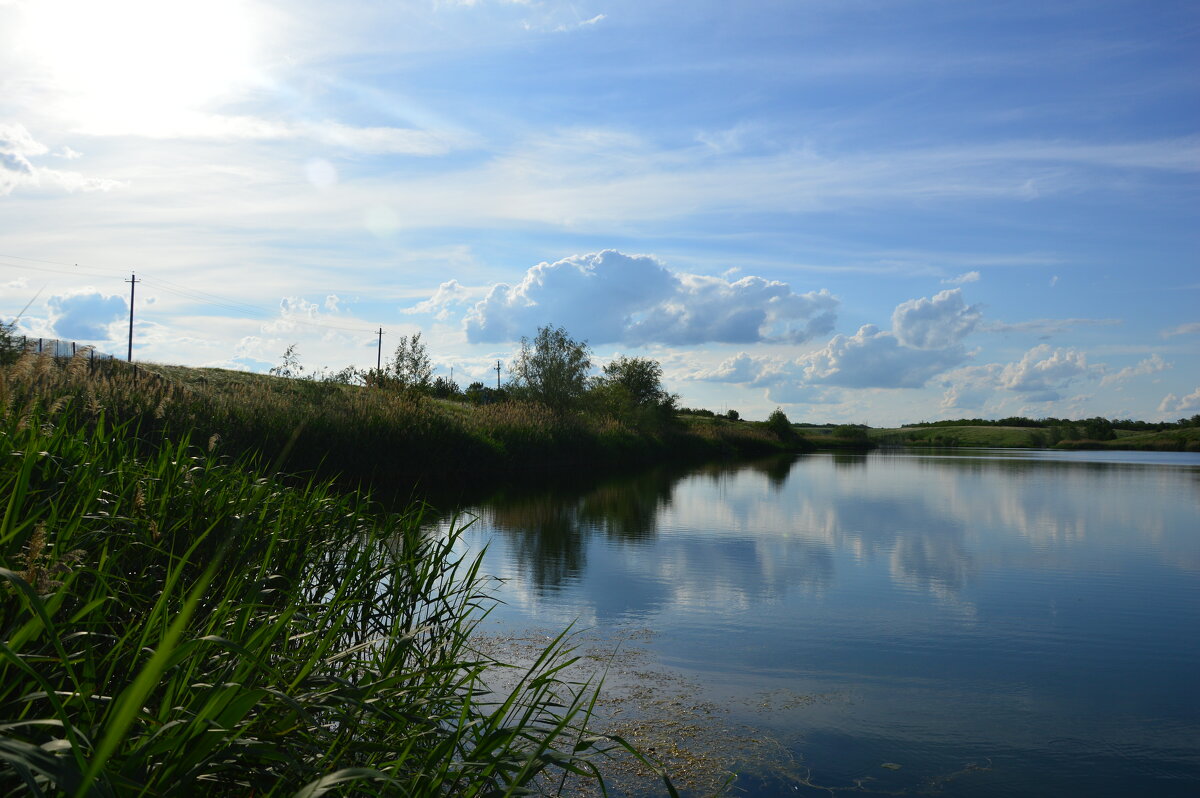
x: 13, y: 346
x: 59, y: 348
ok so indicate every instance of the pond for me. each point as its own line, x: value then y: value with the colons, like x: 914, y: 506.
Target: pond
x: 951, y: 622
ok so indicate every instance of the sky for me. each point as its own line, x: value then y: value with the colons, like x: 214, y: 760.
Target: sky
x: 856, y: 211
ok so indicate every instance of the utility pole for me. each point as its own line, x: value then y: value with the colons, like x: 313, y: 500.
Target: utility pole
x: 497, y: 375
x: 133, y: 281
x: 379, y: 354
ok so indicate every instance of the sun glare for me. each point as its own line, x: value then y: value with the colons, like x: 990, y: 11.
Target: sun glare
x: 139, y: 65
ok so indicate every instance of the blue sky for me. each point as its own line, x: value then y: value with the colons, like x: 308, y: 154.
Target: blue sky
x: 857, y: 211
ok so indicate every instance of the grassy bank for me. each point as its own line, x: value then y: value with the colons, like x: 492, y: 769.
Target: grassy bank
x: 178, y: 622
x: 391, y: 437
x: 1179, y: 440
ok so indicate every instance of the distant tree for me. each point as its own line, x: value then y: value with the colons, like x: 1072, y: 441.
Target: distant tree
x: 1098, y: 429
x: 733, y: 415
x: 850, y: 432
x: 782, y: 428
x: 444, y: 388
x: 479, y: 394
x: 410, y: 365
x: 631, y: 389
x: 290, y: 365
x: 552, y: 369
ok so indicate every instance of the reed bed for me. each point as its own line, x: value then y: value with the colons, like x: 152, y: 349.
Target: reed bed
x: 383, y: 437
x: 173, y: 621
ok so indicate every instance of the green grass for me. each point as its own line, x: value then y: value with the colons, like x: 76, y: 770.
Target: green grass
x: 1187, y: 439
x: 174, y: 621
x: 388, y: 438
x: 1176, y: 440
x: 1000, y: 437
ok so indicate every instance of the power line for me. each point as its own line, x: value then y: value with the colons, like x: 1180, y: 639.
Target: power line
x: 180, y: 290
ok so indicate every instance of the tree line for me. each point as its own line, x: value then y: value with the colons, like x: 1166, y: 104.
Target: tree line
x: 1095, y: 428
x: 552, y: 368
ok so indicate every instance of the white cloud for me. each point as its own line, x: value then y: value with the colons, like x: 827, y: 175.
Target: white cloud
x: 17, y: 146
x: 608, y: 297
x: 872, y: 358
x: 1151, y: 365
x: 1046, y: 327
x: 449, y: 296
x: 86, y: 315
x: 962, y: 279
x: 936, y: 323
x: 970, y: 386
x: 743, y: 368
x: 925, y: 342
x: 581, y: 24
x: 224, y: 127
x: 1173, y: 404
x: 1191, y: 328
x: 1042, y: 372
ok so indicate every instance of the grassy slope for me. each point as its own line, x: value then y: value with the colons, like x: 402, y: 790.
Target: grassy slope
x: 380, y: 436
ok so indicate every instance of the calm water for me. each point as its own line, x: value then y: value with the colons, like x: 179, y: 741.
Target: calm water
x: 995, y: 622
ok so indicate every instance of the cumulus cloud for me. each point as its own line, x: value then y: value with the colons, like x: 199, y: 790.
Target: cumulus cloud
x: 970, y: 386
x: 86, y: 315
x: 1042, y: 372
x: 962, y: 279
x: 1151, y: 365
x: 1174, y: 404
x: 936, y: 323
x: 609, y: 297
x: 925, y: 342
x: 449, y: 296
x: 872, y: 358
x: 741, y: 368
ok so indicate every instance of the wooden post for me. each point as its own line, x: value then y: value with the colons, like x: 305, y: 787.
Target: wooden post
x: 133, y: 281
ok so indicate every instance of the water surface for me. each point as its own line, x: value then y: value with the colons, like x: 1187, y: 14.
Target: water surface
x: 993, y: 622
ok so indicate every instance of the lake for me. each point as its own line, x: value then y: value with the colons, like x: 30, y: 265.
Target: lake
x: 952, y: 622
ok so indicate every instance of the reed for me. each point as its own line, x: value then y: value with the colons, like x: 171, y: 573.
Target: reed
x: 174, y: 621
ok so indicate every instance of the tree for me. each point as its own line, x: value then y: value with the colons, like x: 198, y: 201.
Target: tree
x: 641, y: 378
x: 444, y: 388
x: 290, y: 366
x: 410, y: 366
x: 779, y: 424
x: 851, y: 432
x: 631, y: 388
x: 552, y: 369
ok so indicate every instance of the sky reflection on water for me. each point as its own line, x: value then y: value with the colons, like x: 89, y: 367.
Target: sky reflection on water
x: 964, y: 606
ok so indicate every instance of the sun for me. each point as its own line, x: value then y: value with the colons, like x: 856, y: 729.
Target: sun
x: 141, y: 64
